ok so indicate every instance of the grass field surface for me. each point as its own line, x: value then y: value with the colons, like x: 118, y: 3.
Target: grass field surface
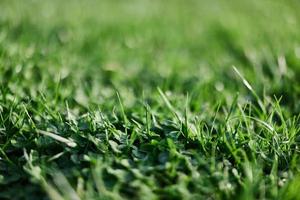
x: 149, y: 99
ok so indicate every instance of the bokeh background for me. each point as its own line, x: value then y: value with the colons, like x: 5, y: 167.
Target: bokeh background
x: 181, y: 46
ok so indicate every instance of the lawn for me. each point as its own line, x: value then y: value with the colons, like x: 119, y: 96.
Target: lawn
x: 149, y: 99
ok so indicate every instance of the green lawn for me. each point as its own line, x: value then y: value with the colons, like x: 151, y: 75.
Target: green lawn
x: 149, y: 99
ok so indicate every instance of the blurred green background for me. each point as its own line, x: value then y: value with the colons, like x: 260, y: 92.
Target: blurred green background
x: 135, y: 46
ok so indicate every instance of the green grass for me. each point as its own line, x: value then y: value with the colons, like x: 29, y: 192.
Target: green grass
x: 149, y: 99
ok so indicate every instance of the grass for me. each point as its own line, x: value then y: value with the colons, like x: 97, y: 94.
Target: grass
x: 149, y: 99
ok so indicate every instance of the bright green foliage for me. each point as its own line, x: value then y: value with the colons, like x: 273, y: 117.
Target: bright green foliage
x: 149, y: 99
